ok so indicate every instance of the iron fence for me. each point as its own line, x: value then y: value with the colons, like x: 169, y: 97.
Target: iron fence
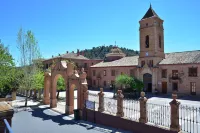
x: 7, y: 129
x: 158, y: 115
x: 189, y: 118
x: 90, y: 105
x: 95, y: 98
x: 131, y: 109
x: 110, y: 105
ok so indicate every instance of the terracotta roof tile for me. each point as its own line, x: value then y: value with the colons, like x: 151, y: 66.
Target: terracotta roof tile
x: 182, y: 57
x: 126, y: 61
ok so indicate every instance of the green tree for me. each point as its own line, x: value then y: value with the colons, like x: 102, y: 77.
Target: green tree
x: 29, y: 53
x: 129, y: 82
x: 38, y: 83
x: 139, y: 85
x: 124, y: 80
x: 6, y: 70
x: 60, y: 85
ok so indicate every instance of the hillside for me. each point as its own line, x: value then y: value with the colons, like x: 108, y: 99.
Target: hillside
x: 99, y: 52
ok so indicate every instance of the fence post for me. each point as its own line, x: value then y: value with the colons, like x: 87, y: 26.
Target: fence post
x: 143, y: 112
x: 174, y: 114
x: 120, y: 97
x: 101, y: 100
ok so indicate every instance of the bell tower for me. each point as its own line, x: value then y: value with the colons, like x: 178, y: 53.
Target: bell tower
x: 151, y: 39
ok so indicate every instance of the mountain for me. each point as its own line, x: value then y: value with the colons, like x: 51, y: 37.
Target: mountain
x: 101, y: 51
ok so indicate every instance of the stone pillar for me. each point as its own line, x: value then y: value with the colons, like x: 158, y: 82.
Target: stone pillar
x: 174, y: 114
x: 101, y: 100
x: 143, y: 113
x: 120, y: 97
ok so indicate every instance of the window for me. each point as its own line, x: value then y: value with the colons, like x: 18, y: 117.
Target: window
x: 104, y: 72
x: 174, y: 74
x: 104, y: 83
x: 193, y: 88
x: 132, y: 73
x: 160, y: 43
x: 112, y: 72
x: 85, y: 65
x: 94, y: 73
x: 164, y: 73
x: 193, y: 72
x: 142, y: 63
x: 147, y: 41
x: 175, y: 86
x: 94, y: 82
x: 151, y: 63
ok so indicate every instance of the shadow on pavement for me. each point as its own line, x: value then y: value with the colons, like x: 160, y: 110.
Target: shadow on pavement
x: 42, y: 113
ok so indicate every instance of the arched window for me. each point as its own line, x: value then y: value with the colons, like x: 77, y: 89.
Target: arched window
x: 160, y: 41
x: 147, y: 41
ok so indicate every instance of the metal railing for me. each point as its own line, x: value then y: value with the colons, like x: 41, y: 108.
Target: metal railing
x: 110, y: 105
x: 94, y: 98
x: 158, y: 115
x: 7, y: 129
x: 131, y: 109
x: 189, y: 118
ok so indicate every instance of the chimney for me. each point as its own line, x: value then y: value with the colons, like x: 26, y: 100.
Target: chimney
x: 67, y: 52
x: 78, y: 53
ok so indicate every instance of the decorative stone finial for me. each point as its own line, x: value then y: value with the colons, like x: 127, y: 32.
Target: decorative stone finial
x: 101, y: 90
x: 174, y: 96
x: 142, y: 94
x: 119, y: 91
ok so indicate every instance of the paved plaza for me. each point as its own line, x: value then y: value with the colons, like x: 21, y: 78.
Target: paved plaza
x: 42, y: 116
x: 43, y: 120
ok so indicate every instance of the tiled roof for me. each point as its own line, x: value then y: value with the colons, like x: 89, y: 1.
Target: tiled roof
x: 182, y: 57
x: 74, y: 56
x: 71, y: 56
x: 126, y: 61
x: 150, y: 13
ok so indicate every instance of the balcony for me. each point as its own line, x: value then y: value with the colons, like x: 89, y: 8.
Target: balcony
x: 175, y: 77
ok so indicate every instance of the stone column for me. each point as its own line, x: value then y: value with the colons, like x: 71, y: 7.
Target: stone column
x: 120, y: 97
x: 101, y: 100
x: 174, y: 114
x: 143, y: 113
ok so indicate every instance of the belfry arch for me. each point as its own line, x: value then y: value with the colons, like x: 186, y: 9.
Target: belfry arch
x: 72, y: 79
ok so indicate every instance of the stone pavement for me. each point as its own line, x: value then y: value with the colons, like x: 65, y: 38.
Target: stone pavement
x: 41, y: 119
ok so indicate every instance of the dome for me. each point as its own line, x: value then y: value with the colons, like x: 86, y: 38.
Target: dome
x: 115, y: 54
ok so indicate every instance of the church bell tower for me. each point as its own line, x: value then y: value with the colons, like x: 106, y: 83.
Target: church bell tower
x: 151, y: 39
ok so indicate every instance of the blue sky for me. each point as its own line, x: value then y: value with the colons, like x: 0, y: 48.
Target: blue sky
x: 65, y: 25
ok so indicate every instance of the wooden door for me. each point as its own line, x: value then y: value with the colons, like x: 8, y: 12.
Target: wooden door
x: 164, y: 87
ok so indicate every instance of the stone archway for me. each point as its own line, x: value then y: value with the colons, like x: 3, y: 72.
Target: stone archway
x: 72, y: 79
x: 147, y: 79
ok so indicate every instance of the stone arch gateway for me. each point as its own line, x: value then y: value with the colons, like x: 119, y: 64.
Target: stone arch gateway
x: 72, y: 78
